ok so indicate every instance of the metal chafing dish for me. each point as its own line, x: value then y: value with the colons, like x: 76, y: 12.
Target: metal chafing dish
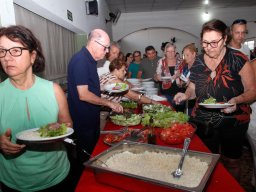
x: 124, y: 180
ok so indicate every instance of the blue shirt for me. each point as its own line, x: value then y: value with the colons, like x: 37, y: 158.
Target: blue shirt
x: 82, y: 70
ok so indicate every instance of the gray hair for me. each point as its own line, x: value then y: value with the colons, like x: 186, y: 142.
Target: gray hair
x: 169, y: 45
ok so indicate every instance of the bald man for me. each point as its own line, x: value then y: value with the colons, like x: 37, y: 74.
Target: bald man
x: 84, y: 91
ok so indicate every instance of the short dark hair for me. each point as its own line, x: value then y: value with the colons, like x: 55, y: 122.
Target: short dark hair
x: 239, y: 21
x: 149, y: 48
x: 23, y: 35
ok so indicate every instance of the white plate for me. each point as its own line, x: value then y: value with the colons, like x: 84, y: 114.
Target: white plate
x: 157, y: 98
x: 166, y: 77
x: 216, y: 106
x: 34, y: 136
x: 144, y: 80
x: 137, y: 88
x: 116, y: 87
x: 125, y: 99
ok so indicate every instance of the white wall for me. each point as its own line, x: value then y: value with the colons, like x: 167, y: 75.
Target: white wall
x: 185, y: 20
x: 155, y: 36
x: 56, y: 11
x: 7, y: 16
x: 130, y: 28
x: 189, y: 21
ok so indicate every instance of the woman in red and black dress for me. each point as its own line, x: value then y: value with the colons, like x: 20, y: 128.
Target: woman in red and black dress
x: 226, y: 75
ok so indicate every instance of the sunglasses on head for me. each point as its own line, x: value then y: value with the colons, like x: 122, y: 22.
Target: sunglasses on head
x: 239, y: 21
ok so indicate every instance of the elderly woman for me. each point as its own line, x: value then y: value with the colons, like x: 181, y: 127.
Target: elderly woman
x: 167, y: 74
x: 226, y: 75
x: 117, y: 73
x: 27, y: 102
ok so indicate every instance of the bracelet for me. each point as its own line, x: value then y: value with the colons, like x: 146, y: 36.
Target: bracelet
x: 140, y: 96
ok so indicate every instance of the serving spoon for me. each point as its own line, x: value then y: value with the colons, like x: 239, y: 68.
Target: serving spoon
x: 178, y: 172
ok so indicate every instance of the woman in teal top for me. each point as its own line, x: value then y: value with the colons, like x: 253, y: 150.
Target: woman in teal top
x: 134, y: 66
x: 26, y: 102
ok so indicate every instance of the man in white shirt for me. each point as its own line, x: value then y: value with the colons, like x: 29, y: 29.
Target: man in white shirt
x: 238, y: 31
x: 110, y: 56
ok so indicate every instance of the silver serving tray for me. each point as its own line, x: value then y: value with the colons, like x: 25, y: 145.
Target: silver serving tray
x: 124, y: 180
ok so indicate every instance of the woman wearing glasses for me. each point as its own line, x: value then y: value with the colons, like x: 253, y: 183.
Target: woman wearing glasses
x: 27, y: 102
x: 226, y: 75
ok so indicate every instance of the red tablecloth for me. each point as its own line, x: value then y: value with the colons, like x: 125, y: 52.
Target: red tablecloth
x: 220, y: 181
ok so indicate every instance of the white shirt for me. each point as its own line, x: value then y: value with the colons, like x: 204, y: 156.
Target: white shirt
x: 104, y: 69
x: 244, y: 49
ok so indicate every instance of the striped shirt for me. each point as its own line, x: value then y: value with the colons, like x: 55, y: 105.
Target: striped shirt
x: 108, y: 79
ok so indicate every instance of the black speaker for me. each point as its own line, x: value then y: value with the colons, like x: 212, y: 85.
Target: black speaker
x: 91, y: 7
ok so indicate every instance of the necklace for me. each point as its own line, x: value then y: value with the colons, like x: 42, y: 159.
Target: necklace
x: 213, y: 74
x: 218, y: 61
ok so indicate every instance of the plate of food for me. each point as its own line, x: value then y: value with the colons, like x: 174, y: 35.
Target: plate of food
x: 116, y: 87
x: 217, y: 105
x: 47, y: 133
x: 126, y: 120
x: 114, y: 138
x: 177, y: 133
x: 211, y: 103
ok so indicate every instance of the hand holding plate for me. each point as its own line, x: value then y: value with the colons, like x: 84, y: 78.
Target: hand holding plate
x: 7, y: 146
x: 232, y: 108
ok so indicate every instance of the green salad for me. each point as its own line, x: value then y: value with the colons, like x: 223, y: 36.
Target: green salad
x: 134, y: 119
x: 52, y: 130
x: 156, y: 108
x: 210, y: 100
x: 164, y: 119
x: 129, y: 104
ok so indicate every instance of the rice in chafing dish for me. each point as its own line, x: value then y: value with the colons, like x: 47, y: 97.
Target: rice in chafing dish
x: 159, y: 166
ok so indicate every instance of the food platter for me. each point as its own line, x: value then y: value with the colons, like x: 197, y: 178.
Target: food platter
x: 122, y: 120
x: 116, y: 87
x: 216, y: 105
x: 133, y: 175
x: 32, y: 135
x: 114, y: 138
x: 177, y: 133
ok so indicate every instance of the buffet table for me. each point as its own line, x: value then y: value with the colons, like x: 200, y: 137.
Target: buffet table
x: 220, y: 181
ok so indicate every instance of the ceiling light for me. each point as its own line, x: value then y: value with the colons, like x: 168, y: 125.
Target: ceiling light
x: 206, y: 2
x: 205, y: 16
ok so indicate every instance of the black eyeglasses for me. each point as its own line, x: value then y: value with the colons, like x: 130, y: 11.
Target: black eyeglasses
x: 239, y: 21
x: 106, y: 48
x: 14, y: 51
x: 213, y: 44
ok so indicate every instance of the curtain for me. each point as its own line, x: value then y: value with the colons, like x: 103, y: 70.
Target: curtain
x: 58, y: 43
